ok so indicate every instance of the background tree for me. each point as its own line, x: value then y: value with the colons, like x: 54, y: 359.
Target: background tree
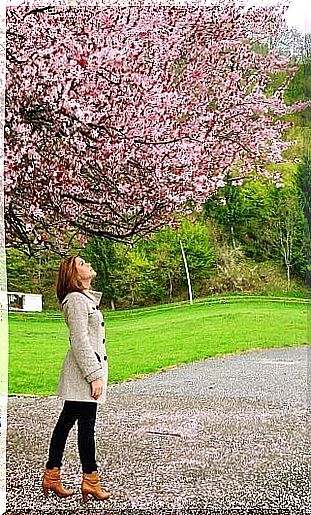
x: 103, y: 256
x: 304, y: 182
x: 285, y: 230
x: 163, y: 249
x: 35, y: 274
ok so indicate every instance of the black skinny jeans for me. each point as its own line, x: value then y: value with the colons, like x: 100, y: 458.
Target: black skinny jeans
x: 85, y: 413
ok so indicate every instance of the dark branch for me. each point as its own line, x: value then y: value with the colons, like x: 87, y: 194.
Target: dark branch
x: 40, y: 10
x: 11, y: 57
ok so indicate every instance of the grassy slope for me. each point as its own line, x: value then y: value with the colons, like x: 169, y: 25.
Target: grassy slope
x: 142, y: 341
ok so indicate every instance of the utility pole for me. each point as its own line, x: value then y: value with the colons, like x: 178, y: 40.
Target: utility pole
x: 187, y: 272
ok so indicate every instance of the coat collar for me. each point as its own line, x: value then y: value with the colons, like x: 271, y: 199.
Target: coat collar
x: 97, y: 295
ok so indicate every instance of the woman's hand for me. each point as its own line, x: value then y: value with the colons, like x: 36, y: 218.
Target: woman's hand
x: 96, y: 388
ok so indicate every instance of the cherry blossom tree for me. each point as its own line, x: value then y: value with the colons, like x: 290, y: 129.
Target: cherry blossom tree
x: 118, y: 117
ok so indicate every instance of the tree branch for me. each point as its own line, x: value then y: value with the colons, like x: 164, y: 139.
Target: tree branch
x: 41, y: 10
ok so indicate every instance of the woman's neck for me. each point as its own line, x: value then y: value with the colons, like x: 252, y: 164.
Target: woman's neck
x: 86, y: 285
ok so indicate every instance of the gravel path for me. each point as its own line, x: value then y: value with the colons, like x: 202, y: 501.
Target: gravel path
x: 226, y: 435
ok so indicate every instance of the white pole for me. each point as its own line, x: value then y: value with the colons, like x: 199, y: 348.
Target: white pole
x: 187, y: 272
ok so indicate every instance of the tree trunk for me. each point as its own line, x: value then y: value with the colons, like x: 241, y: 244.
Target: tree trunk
x: 171, y: 285
x: 288, y: 275
x: 232, y: 237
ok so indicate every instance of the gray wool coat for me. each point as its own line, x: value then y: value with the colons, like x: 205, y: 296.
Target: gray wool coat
x: 86, y: 359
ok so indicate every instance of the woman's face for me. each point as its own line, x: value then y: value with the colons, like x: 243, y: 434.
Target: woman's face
x: 84, y: 269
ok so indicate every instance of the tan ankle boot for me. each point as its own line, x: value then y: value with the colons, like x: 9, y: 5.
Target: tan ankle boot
x: 52, y: 481
x: 91, y: 485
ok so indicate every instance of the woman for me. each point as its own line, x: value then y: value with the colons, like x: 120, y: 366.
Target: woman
x: 83, y: 379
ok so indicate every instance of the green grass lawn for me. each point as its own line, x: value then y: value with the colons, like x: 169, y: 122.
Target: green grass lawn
x: 150, y: 339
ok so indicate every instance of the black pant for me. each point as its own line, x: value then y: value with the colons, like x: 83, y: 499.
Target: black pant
x: 85, y: 413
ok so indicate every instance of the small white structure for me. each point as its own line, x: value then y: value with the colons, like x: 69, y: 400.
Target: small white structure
x: 18, y: 301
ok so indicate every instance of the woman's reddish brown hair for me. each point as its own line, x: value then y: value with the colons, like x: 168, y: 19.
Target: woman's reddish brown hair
x: 67, y: 278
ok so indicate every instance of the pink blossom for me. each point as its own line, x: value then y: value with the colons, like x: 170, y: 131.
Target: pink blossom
x: 235, y: 77
x: 117, y: 116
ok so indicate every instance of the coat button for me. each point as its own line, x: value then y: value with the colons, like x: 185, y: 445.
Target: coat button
x: 105, y: 358
x: 97, y: 307
x: 103, y: 323
x: 104, y: 340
